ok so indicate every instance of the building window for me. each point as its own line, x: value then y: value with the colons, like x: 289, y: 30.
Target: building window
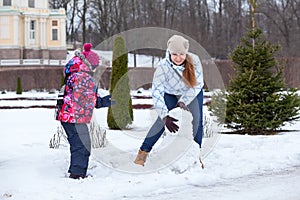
x: 54, y: 23
x: 5, y: 30
x: 32, y: 30
x: 31, y: 3
x: 54, y: 34
x: 6, y: 2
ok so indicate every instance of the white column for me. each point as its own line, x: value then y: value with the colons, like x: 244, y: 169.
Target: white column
x: 63, y: 32
x: 43, y: 33
x: 17, y: 31
x: 26, y: 32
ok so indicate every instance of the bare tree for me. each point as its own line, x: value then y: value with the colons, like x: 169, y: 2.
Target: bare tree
x: 56, y: 4
x: 102, y: 18
x: 283, y: 23
x: 83, y: 19
x: 217, y: 24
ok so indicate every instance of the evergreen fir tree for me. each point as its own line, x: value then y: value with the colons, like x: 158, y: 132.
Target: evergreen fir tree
x: 120, y: 115
x: 258, y: 100
x: 62, y: 81
x: 19, y: 86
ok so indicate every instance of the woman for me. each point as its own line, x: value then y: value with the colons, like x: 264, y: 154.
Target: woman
x: 177, y: 82
x: 78, y: 104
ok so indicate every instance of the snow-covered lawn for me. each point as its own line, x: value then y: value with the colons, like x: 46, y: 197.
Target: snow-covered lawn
x: 238, y: 167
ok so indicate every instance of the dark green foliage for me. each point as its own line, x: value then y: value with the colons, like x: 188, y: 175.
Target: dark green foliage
x: 120, y: 115
x: 62, y: 81
x: 218, y: 105
x: 19, y: 86
x: 258, y: 101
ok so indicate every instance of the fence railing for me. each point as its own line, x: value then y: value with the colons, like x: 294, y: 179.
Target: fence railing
x: 17, y: 62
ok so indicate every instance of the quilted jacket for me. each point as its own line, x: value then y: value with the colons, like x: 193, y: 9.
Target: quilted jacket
x: 79, y: 94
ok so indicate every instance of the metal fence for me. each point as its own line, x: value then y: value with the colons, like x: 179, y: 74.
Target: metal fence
x: 31, y: 62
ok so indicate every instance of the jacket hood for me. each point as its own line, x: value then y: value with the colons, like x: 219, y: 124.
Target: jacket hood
x: 75, y: 65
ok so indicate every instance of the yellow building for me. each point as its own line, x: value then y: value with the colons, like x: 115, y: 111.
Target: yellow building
x: 30, y: 30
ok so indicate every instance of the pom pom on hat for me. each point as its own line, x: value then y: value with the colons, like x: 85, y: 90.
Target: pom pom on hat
x: 87, y: 46
x: 178, y: 44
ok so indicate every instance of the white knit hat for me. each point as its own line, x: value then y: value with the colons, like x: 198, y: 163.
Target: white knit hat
x: 178, y: 44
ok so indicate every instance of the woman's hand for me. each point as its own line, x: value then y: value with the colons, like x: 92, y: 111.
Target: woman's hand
x: 169, y: 122
x: 182, y: 105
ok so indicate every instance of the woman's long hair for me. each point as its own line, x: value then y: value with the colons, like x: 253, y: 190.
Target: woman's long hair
x: 189, y: 76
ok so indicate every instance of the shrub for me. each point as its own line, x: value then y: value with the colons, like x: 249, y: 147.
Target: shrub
x: 19, y: 86
x: 120, y: 115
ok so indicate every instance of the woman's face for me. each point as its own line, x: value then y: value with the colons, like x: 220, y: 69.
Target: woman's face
x: 177, y: 58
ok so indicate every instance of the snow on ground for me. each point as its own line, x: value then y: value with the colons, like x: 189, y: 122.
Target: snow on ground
x: 238, y: 167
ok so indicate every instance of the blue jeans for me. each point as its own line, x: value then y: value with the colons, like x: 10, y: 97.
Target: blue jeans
x: 80, y: 147
x: 158, y: 127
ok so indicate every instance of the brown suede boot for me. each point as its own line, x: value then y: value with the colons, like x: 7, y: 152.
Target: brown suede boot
x: 141, y: 158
